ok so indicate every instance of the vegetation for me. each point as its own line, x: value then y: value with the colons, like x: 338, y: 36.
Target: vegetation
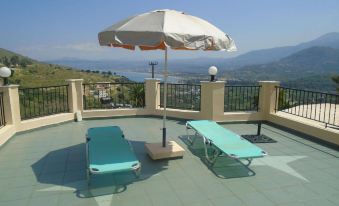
x: 336, y: 80
x: 137, y: 95
x: 31, y: 73
x: 37, y: 75
x: 310, y: 68
x: 284, y: 101
x: 110, y: 96
x: 11, y: 59
x: 241, y: 98
x: 36, y: 102
x: 181, y: 96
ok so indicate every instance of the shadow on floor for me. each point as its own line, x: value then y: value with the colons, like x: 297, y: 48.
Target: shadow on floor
x: 224, y: 167
x: 66, y: 167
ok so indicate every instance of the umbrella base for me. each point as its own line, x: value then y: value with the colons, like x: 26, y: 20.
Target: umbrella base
x: 172, y: 150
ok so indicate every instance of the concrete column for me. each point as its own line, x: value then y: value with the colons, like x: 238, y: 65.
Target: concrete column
x: 267, y: 97
x: 152, y: 95
x: 75, y: 95
x: 11, y: 104
x: 212, y: 99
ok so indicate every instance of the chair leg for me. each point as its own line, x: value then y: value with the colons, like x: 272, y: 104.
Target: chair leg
x: 191, y: 140
x: 137, y: 170
x: 88, y: 177
x: 249, y: 161
x: 215, y: 154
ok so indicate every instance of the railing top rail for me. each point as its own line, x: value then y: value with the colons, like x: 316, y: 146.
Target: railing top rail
x: 43, y: 87
x: 180, y: 84
x: 113, y: 83
x: 305, y: 90
x: 243, y: 86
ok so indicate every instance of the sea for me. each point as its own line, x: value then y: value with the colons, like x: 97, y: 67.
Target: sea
x: 141, y: 76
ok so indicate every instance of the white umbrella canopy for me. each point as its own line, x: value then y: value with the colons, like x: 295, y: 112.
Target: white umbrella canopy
x: 163, y: 29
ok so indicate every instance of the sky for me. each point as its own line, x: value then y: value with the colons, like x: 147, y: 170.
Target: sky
x: 55, y: 29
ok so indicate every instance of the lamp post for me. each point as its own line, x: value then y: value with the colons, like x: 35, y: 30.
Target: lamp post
x: 213, y: 70
x: 153, y: 64
x: 5, y: 72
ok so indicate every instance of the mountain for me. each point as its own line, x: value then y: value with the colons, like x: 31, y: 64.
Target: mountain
x: 8, y: 57
x: 317, y: 59
x: 274, y: 54
x: 200, y: 65
x: 9, y: 54
x: 102, y: 65
x: 37, y: 74
x: 315, y: 63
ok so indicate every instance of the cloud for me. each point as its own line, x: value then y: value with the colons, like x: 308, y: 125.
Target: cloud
x: 82, y: 47
x: 93, y: 51
x: 85, y: 47
x: 88, y: 50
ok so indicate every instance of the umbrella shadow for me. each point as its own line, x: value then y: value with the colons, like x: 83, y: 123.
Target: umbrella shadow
x: 65, y: 169
x: 224, y: 167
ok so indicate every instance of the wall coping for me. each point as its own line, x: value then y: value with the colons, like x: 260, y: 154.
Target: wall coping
x: 152, y: 79
x: 270, y: 82
x: 10, y: 86
x: 74, y: 80
x: 216, y: 82
x: 178, y: 110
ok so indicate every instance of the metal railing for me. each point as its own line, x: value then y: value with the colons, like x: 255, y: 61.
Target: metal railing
x: 241, y: 98
x: 181, y: 96
x: 112, y: 95
x: 2, y: 111
x: 317, y: 106
x: 43, y: 101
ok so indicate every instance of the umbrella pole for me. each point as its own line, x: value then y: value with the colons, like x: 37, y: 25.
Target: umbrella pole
x: 165, y: 102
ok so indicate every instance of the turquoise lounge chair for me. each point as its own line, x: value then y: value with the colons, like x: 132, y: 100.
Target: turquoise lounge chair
x: 108, y: 151
x: 223, y: 142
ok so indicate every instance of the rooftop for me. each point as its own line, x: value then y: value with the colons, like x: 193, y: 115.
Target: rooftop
x: 46, y: 166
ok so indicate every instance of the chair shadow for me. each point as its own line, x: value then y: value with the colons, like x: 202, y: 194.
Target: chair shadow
x: 66, y: 167
x: 224, y: 167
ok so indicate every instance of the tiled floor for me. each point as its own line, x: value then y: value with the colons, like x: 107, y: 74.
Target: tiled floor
x: 47, y: 167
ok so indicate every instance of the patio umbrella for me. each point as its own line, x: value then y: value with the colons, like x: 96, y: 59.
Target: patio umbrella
x: 163, y: 29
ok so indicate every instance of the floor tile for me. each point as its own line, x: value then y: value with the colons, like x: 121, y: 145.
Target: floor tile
x: 47, y: 167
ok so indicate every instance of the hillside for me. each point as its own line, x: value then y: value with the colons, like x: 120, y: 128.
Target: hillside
x: 274, y: 54
x: 300, y: 69
x: 10, y: 54
x: 200, y: 65
x: 36, y: 74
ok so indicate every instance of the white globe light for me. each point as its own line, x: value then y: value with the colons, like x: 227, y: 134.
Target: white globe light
x: 5, y: 72
x: 213, y: 70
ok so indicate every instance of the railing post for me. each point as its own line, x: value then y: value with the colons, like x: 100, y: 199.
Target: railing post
x: 267, y: 97
x: 212, y: 99
x: 11, y: 104
x: 152, y: 95
x: 75, y: 95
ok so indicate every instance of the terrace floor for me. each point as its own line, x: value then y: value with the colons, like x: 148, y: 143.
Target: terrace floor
x: 47, y: 167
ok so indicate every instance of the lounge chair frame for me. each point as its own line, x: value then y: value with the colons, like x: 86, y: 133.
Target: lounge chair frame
x: 216, y: 152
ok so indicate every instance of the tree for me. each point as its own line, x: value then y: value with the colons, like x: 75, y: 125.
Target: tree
x: 284, y: 100
x: 336, y: 80
x: 14, y: 60
x: 24, y: 62
x: 6, y: 62
x: 137, y: 95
